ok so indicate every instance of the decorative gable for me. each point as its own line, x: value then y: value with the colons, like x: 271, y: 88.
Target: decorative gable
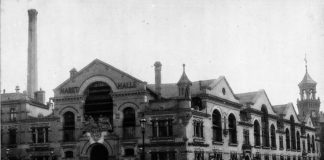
x: 290, y: 111
x: 98, y: 71
x: 222, y: 89
x: 309, y: 122
x: 261, y: 99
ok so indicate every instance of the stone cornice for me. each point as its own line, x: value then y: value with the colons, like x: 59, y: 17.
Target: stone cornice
x: 68, y: 98
x: 218, y: 99
x: 129, y: 93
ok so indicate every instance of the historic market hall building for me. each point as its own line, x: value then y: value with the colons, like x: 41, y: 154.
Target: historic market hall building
x: 95, y: 115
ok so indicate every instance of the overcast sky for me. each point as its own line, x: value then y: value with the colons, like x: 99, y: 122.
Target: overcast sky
x: 254, y: 44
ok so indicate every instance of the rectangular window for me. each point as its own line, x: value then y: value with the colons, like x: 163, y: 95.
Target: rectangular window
x: 274, y: 157
x: 163, y: 155
x: 40, y: 134
x: 257, y: 156
x: 246, y: 135
x: 233, y: 156
x: 12, y: 114
x: 162, y: 128
x: 12, y: 136
x: 215, y: 156
x: 198, y: 129
x: 199, y: 155
x: 281, y: 142
x: 266, y: 157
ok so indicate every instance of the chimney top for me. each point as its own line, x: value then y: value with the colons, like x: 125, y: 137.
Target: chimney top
x: 157, y: 64
x: 32, y: 12
x: 17, y: 89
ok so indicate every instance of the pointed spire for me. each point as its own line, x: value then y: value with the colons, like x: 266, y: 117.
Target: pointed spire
x: 305, y: 59
x: 184, y: 78
x: 307, y: 78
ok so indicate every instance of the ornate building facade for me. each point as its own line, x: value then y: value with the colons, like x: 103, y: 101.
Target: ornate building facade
x: 98, y: 113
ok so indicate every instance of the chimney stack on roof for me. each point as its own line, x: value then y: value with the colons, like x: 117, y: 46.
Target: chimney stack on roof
x: 158, y: 67
x: 32, y: 81
x: 17, y: 89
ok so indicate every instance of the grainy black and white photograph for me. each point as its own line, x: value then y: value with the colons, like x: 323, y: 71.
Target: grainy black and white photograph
x: 162, y: 79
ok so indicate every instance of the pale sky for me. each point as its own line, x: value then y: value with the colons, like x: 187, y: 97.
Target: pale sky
x: 254, y: 44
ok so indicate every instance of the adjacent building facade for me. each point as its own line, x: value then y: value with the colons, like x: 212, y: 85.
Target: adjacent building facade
x: 96, y: 114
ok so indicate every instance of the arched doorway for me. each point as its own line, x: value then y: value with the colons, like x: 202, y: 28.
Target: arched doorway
x: 99, y: 152
x: 247, y: 157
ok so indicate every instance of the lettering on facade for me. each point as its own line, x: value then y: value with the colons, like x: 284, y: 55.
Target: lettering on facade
x: 125, y: 85
x: 69, y: 90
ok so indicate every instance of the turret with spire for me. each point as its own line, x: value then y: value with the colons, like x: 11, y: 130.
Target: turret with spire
x: 184, y: 85
x: 308, y: 104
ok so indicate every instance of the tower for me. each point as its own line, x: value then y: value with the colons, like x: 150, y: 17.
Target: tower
x: 184, y: 85
x: 32, y: 81
x: 308, y: 103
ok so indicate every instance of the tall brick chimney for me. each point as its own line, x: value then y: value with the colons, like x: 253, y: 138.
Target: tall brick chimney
x: 32, y: 81
x: 158, y: 67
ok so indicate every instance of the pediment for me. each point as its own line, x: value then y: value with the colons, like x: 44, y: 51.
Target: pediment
x: 222, y: 89
x: 96, y: 71
x: 262, y: 99
x: 291, y: 112
x: 309, y: 122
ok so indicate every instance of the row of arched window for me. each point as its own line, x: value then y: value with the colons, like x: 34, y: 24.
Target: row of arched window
x: 217, y: 127
x: 261, y: 132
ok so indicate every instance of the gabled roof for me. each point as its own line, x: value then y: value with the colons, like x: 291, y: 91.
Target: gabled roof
x: 249, y: 97
x: 284, y: 108
x: 307, y: 79
x: 252, y: 97
x: 281, y: 109
x: 97, y: 61
x: 169, y: 90
x: 14, y: 96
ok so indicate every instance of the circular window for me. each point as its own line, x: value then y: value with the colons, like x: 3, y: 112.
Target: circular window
x: 224, y: 91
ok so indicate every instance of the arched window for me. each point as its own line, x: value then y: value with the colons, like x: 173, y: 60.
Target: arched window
x: 98, y: 102
x: 68, y: 127
x: 313, y: 144
x: 298, y: 141
x: 68, y: 154
x: 265, y: 126
x: 308, y: 143
x: 232, y: 128
x: 287, y: 139
x: 292, y: 131
x: 217, y: 126
x: 256, y: 133
x: 273, y: 136
x: 129, y: 122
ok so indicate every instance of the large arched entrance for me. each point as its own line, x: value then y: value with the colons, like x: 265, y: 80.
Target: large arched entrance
x: 247, y: 157
x: 99, y: 152
x: 98, y: 101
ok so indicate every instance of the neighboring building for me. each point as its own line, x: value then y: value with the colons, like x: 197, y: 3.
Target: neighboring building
x: 97, y: 111
x: 25, y: 126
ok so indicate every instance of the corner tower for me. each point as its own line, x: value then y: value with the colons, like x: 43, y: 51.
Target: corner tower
x: 308, y: 102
